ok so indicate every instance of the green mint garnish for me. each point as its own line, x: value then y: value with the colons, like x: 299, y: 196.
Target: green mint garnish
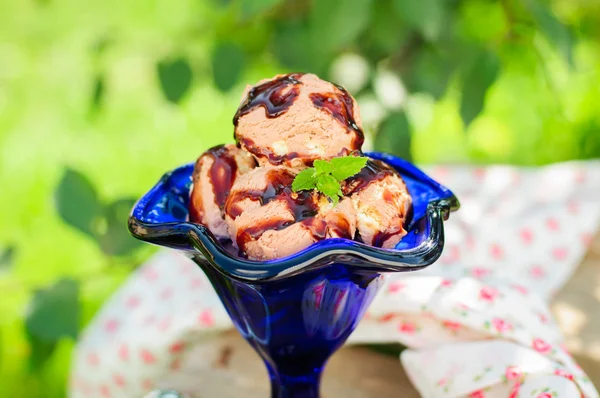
x: 305, y: 180
x: 326, y: 176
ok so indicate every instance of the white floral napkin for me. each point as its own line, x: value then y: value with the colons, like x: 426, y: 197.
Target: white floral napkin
x: 477, y: 322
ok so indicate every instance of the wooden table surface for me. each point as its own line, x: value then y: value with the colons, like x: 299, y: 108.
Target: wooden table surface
x: 229, y: 365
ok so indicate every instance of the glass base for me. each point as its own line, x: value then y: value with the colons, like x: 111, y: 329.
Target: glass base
x: 305, y: 386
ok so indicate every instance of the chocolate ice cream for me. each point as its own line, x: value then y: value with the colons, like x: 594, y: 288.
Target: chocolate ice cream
x: 295, y: 119
x: 214, y: 174
x: 266, y: 219
x: 382, y: 204
x: 284, y: 125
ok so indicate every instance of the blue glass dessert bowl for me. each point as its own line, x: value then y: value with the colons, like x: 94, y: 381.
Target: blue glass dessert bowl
x: 297, y: 310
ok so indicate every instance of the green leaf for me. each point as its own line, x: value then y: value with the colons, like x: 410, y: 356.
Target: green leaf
x: 329, y: 186
x: 98, y: 93
x: 589, y: 147
x: 116, y: 240
x: 426, y: 16
x: 323, y: 167
x: 476, y: 80
x: 6, y: 258
x: 293, y: 48
x: 227, y: 65
x: 305, y: 180
x: 77, y: 202
x: 175, y: 78
x: 430, y: 72
x: 53, y: 312
x: 335, y: 25
x: 251, y: 8
x: 40, y: 352
x: 347, y: 166
x: 557, y: 33
x: 386, y: 33
x: 100, y: 45
x: 394, y: 136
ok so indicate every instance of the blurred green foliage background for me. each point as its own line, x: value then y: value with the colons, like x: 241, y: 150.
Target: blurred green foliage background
x: 99, y: 98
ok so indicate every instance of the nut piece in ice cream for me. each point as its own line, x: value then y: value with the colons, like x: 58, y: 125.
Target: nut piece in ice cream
x: 214, y: 174
x: 382, y: 204
x: 267, y: 220
x: 294, y: 119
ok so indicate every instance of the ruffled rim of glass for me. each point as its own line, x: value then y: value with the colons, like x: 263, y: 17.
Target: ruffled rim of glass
x: 422, y: 246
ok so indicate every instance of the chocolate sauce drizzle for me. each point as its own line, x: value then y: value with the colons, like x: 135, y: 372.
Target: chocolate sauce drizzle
x: 275, y: 96
x: 341, y: 106
x: 265, y: 152
x: 374, y: 170
x: 303, y: 205
x: 222, y: 175
x: 382, y: 236
x: 273, y: 158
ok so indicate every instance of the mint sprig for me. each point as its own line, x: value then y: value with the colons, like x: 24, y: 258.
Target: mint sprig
x: 326, y: 176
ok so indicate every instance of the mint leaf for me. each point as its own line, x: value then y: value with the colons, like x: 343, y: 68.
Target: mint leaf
x: 323, y: 167
x: 326, y: 176
x: 329, y: 186
x: 305, y: 180
x: 347, y: 166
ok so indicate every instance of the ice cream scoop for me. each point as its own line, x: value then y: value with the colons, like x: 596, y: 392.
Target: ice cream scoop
x: 267, y: 220
x: 214, y: 174
x: 294, y: 119
x: 382, y: 204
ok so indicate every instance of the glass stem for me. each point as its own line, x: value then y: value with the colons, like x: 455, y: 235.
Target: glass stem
x: 302, y: 386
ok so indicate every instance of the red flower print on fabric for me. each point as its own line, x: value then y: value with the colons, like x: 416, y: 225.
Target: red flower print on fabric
x: 541, y: 346
x: 477, y: 394
x: 513, y: 373
x: 454, y: 326
x: 488, y: 293
x: 407, y: 327
x: 147, y: 357
x: 559, y: 253
x: 562, y: 373
x: 496, y: 251
x: 206, y: 318
x: 520, y: 288
x: 395, y: 287
x: 526, y: 235
x: 501, y: 325
x: 552, y: 224
x: 111, y: 325
x: 446, y: 282
x: 133, y: 301
x: 537, y: 272
x: 480, y: 272
x: 123, y: 352
x: 514, y: 392
x: 119, y: 379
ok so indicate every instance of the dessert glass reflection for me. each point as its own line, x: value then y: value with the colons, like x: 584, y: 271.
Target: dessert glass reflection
x: 295, y: 270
